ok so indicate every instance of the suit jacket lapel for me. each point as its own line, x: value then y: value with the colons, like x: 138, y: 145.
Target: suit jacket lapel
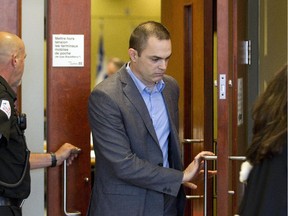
x: 133, y: 94
x: 174, y: 151
x: 169, y: 106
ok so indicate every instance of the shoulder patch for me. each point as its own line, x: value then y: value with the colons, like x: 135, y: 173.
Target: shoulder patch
x: 5, y: 107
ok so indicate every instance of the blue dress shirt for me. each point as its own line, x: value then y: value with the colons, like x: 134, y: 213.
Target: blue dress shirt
x: 157, y: 109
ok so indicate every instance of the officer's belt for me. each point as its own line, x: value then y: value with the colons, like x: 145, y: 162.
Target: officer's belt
x: 5, y: 201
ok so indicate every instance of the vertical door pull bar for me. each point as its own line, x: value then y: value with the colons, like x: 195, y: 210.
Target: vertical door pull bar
x: 206, y: 158
x: 77, y: 213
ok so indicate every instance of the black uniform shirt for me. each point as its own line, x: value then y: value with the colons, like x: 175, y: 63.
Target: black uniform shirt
x: 13, y: 149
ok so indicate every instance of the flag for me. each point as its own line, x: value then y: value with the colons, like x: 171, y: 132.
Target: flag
x: 101, y: 64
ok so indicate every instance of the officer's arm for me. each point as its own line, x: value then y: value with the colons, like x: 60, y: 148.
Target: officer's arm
x: 42, y: 160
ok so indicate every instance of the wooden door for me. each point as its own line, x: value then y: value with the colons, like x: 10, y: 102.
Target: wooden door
x: 68, y: 88
x: 191, y: 26
x: 232, y: 101
x: 10, y: 16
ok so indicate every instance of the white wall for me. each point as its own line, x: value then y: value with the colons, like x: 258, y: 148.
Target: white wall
x: 33, y: 96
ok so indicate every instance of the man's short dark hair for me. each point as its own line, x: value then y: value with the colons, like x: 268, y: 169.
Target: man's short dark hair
x: 144, y: 31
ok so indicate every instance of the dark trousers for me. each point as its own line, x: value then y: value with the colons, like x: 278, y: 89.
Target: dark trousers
x: 10, y: 211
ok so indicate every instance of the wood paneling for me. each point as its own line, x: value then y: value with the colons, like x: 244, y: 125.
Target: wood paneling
x: 232, y: 134
x: 224, y: 66
x: 68, y: 89
x: 191, y: 51
x: 10, y: 16
x: 240, y: 95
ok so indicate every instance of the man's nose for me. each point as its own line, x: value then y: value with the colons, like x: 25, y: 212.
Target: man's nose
x: 163, y: 64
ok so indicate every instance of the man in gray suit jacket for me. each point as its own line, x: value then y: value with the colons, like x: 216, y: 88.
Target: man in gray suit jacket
x: 134, y: 119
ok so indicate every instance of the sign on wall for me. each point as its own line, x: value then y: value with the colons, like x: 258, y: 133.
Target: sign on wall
x: 67, y: 50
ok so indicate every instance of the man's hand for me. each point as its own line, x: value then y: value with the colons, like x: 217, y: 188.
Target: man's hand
x: 195, y: 170
x: 67, y: 152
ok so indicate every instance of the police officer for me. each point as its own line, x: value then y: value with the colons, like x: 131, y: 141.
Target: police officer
x: 15, y: 158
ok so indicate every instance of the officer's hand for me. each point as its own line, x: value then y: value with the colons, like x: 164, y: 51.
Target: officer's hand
x: 67, y: 152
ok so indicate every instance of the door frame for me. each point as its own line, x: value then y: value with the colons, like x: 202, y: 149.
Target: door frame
x: 232, y: 26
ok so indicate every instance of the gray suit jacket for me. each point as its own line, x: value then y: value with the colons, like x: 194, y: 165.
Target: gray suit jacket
x: 129, y: 177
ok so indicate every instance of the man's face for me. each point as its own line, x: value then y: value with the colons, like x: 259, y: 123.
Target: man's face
x: 151, y: 66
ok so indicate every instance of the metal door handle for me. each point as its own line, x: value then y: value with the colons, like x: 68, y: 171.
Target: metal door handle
x: 191, y: 141
x: 65, y: 193
x: 213, y: 158
x: 238, y: 158
x: 194, y: 196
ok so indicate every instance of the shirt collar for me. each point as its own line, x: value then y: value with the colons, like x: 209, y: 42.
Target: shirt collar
x: 141, y: 86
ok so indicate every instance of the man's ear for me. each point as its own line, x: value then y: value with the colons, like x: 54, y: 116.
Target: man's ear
x: 133, y: 54
x: 14, y: 60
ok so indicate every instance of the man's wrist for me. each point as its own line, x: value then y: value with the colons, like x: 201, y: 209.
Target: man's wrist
x: 53, y: 159
x: 183, y: 178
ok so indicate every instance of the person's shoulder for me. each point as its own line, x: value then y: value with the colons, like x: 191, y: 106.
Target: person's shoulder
x: 2, y: 87
x: 4, y: 94
x: 6, y: 91
x: 169, y: 78
x: 109, y: 85
x: 170, y: 81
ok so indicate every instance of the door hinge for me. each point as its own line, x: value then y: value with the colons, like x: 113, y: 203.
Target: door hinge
x: 246, y: 52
